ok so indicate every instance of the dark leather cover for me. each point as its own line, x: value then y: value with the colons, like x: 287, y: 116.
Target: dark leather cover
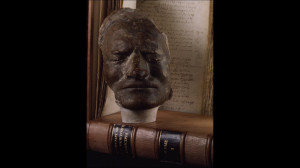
x: 121, y: 139
x: 169, y: 146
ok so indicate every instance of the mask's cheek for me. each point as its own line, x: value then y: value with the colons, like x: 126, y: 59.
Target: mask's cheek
x: 160, y: 71
x: 113, y: 74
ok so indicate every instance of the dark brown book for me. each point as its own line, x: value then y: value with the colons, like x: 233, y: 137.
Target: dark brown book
x: 175, y: 137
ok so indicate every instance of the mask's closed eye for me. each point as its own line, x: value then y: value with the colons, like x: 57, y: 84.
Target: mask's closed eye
x: 119, y: 56
x: 151, y: 56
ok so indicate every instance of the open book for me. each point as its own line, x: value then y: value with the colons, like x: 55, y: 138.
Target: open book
x: 188, y: 26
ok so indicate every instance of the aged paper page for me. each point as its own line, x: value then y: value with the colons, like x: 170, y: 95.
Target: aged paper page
x: 186, y: 23
x: 129, y: 4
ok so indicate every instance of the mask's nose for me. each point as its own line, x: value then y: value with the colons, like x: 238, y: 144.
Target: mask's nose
x: 137, y: 67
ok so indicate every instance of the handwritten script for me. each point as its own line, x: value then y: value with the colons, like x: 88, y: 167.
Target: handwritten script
x: 186, y: 25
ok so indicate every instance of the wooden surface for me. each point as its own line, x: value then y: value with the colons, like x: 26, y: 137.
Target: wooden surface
x: 207, y: 106
x: 169, y: 120
x: 89, y: 73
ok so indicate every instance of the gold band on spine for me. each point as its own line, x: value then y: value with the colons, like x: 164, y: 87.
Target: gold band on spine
x: 208, y: 150
x: 110, y: 137
x: 182, y: 144
x: 133, y: 140
x: 88, y: 135
x: 157, y: 146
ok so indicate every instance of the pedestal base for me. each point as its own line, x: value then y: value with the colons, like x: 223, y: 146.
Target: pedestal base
x: 138, y: 116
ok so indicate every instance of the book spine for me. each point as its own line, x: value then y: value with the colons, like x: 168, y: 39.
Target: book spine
x: 171, y: 146
x: 158, y: 144
x: 122, y: 140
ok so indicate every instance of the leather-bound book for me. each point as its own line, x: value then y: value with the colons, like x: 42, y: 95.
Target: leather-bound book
x: 176, y: 137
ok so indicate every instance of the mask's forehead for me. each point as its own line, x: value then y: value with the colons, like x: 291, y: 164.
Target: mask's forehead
x: 145, y: 36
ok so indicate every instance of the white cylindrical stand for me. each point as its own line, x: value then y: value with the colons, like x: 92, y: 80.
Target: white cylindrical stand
x: 138, y: 116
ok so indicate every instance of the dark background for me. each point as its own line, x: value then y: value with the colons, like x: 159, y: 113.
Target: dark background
x: 45, y: 107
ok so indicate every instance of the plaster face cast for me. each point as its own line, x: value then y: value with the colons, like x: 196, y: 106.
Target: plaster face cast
x: 136, y: 61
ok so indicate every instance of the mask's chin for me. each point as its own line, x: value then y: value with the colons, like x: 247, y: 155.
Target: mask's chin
x: 139, y: 116
x: 140, y: 100
x: 136, y: 105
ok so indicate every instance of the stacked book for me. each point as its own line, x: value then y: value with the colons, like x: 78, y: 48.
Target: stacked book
x: 176, y: 137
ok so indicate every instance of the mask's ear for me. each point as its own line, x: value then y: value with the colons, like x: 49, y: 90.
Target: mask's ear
x: 100, y: 56
x: 171, y: 93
